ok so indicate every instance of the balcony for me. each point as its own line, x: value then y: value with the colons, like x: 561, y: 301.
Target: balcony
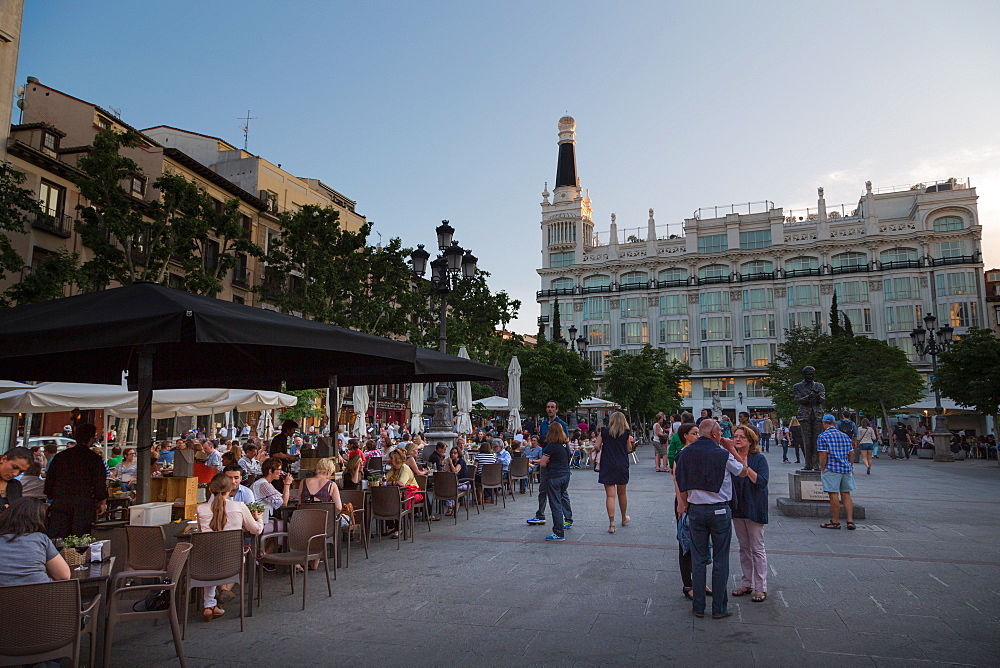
x: 628, y: 287
x: 557, y: 292
x: 958, y: 259
x: 759, y: 276
x: 58, y: 224
x: 850, y: 269
x: 543, y: 319
x: 900, y: 264
x: 595, y: 289
x: 677, y: 283
x: 713, y: 280
x: 795, y: 273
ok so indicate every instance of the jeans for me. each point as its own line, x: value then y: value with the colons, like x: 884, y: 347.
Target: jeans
x: 711, y: 522
x: 901, y: 448
x: 558, y: 494
x: 543, y: 493
x: 784, y: 451
x: 765, y: 442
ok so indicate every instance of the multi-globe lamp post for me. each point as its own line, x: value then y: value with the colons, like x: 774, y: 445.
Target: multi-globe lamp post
x: 930, y: 341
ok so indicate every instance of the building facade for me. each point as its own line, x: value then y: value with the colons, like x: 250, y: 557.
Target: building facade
x: 722, y: 290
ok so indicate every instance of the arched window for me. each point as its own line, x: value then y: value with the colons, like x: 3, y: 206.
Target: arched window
x: 844, y: 260
x: 565, y: 285
x: 802, y: 266
x: 634, y: 278
x: 756, y: 267
x: 898, y: 255
x: 948, y: 223
x: 674, y: 274
x: 599, y: 281
x: 713, y: 271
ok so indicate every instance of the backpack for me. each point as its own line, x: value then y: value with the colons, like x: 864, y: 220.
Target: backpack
x: 848, y: 428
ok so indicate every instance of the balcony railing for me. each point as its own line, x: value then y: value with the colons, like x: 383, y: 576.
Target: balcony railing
x: 759, y: 276
x: 711, y: 280
x: 59, y: 224
x: 795, y: 273
x: 556, y: 292
x: 596, y: 289
x: 627, y: 287
x: 850, y: 269
x: 675, y: 283
x: 900, y: 264
x: 959, y: 259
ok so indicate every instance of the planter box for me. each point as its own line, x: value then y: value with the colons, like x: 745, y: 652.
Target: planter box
x: 925, y: 453
x: 150, y: 514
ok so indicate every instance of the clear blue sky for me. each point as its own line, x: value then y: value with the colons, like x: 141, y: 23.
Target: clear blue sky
x: 429, y: 110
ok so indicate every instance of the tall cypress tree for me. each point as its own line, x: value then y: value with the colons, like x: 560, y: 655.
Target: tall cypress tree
x: 835, y: 328
x: 556, y: 324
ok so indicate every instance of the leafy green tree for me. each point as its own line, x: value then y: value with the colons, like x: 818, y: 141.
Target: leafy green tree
x: 556, y: 324
x: 47, y: 279
x: 305, y: 407
x: 969, y: 370
x: 835, y: 328
x: 17, y: 206
x: 798, y: 350
x: 475, y: 313
x: 645, y: 382
x: 551, y: 371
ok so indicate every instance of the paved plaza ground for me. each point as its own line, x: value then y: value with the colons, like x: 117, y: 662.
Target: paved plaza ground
x: 916, y: 584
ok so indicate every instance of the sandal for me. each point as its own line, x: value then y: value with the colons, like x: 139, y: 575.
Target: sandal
x: 850, y: 526
x: 688, y: 593
x: 626, y: 520
x: 611, y: 527
x: 759, y: 596
x: 830, y: 525
x: 742, y: 591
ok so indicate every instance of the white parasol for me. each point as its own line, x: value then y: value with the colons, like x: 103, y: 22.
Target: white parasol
x: 361, y: 408
x: 416, y: 408
x: 463, y: 399
x: 514, y: 396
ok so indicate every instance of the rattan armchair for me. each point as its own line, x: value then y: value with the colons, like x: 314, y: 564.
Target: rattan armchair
x: 358, y: 522
x: 307, y: 531
x: 44, y: 622
x: 387, y: 506
x: 446, y: 489
x: 519, y: 471
x: 216, y: 558
x: 147, y: 548
x: 492, y: 478
x: 332, y: 528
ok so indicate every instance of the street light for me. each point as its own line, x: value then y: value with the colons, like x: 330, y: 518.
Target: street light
x: 928, y: 341
x: 452, y: 265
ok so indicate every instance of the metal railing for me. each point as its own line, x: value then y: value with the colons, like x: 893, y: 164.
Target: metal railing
x: 58, y: 223
x: 763, y: 206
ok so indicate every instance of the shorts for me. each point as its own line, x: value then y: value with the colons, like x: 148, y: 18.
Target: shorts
x: 834, y: 482
x: 659, y: 448
x: 867, y: 446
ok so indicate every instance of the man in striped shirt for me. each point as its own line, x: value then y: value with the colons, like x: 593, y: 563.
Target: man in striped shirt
x: 836, y: 452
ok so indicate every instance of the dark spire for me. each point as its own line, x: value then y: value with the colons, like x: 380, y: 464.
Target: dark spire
x: 566, y: 168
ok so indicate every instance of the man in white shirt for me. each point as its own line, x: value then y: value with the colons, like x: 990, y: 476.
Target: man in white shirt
x: 249, y: 462
x: 213, y: 456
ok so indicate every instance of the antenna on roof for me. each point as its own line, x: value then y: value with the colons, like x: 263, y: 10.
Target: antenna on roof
x: 116, y: 111
x: 245, y: 126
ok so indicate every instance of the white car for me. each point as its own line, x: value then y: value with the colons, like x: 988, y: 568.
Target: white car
x: 61, y: 442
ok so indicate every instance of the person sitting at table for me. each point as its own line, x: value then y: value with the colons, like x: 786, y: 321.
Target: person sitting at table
x: 400, y: 474
x: 354, y: 472
x: 127, y: 470
x: 411, y: 459
x: 116, y: 457
x: 27, y: 554
x: 322, y: 488
x: 166, y: 457
x: 436, y: 460
x: 371, y: 450
x: 249, y: 462
x: 265, y: 491
x: 456, y: 464
x: 223, y: 514
x: 239, y: 492
x: 32, y: 484
x: 228, y: 460
x: 484, y: 456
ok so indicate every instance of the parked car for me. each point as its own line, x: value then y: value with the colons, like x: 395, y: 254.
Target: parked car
x: 61, y: 442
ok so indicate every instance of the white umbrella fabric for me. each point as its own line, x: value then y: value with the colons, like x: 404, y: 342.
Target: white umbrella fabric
x: 416, y: 408
x: 54, y: 397
x: 595, y: 403
x: 514, y: 396
x: 243, y: 401
x: 361, y: 408
x: 463, y: 399
x: 493, y: 403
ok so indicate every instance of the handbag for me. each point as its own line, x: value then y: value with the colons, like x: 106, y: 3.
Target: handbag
x: 154, y: 601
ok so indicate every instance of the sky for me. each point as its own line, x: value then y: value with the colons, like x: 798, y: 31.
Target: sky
x: 423, y: 111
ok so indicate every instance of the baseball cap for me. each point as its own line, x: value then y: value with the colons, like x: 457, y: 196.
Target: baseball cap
x: 829, y: 418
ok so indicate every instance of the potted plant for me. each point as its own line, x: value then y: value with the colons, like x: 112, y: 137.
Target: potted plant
x: 256, y: 507
x: 74, y: 549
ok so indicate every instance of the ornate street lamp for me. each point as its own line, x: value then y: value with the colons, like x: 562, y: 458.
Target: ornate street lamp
x: 928, y: 341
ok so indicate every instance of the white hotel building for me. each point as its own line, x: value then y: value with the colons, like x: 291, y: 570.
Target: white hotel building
x: 721, y: 293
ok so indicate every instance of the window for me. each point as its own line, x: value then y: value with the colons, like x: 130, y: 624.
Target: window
x: 138, y: 185
x: 758, y: 326
x: 597, y: 282
x: 713, y: 271
x: 756, y: 388
x: 725, y: 386
x: 563, y: 284
x: 758, y: 298
x: 240, y: 275
x: 211, y: 257
x: 761, y: 354
x: 947, y: 249
x: 851, y: 292
x: 239, y: 300
x: 634, y: 307
x: 901, y: 318
x: 685, y: 384
x: 713, y: 243
x: 802, y: 264
x: 50, y: 141
x: 634, y: 332
x: 716, y: 328
x: 904, y: 287
x: 948, y: 223
x: 993, y: 276
x: 959, y: 314
x: 247, y: 223
x: 597, y: 308
x: 898, y: 255
x: 52, y: 198
x: 597, y: 335
x: 673, y: 330
x: 563, y: 259
x: 861, y: 319
x: 845, y: 260
x: 714, y: 301
x: 565, y: 318
x: 678, y: 355
x: 752, y: 240
x: 956, y: 283
x: 756, y: 267
x: 597, y: 359
x: 634, y: 278
x: 175, y: 281
x: 803, y: 295
x: 103, y: 123
x: 673, y: 276
x: 716, y: 357
x: 805, y: 320
x: 905, y: 344
x: 673, y: 304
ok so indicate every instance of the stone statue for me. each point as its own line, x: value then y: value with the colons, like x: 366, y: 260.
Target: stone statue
x: 810, y: 396
x: 716, y: 405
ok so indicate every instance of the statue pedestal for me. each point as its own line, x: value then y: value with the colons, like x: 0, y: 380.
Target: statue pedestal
x: 432, y: 438
x: 807, y: 498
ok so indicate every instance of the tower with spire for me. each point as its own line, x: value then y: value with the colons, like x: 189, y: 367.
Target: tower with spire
x: 567, y: 227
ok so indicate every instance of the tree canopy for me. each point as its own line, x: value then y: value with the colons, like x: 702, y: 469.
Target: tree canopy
x: 552, y: 371
x: 644, y: 383
x: 969, y: 371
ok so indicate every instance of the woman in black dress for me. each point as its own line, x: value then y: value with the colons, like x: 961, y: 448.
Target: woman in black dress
x: 613, y: 444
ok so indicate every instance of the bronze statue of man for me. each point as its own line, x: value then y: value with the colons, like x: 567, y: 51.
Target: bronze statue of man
x: 810, y: 396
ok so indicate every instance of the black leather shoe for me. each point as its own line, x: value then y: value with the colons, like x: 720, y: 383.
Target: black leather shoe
x: 723, y: 615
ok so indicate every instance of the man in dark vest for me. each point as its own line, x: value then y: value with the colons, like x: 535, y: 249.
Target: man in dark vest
x: 704, y: 491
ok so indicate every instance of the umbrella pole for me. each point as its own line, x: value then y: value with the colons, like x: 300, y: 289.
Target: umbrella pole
x: 144, y: 420
x: 331, y: 421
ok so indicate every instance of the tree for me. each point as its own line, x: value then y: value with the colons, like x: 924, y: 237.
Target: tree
x: 17, y: 206
x: 835, y: 329
x: 798, y: 350
x: 969, y: 370
x: 644, y: 383
x: 551, y: 371
x: 305, y: 407
x: 556, y: 324
x: 47, y: 279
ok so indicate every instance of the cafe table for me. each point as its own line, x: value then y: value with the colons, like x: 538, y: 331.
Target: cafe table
x: 97, y: 575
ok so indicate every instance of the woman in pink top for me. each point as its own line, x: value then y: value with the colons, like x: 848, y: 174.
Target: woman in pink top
x: 224, y: 514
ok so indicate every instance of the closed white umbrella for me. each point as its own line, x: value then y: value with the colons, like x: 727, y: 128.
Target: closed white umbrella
x: 514, y: 395
x: 416, y: 408
x: 361, y: 408
x: 463, y: 399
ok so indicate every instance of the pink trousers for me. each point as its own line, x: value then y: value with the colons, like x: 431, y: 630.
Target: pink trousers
x: 753, y: 558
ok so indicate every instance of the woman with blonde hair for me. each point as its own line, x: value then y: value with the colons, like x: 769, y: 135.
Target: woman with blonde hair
x: 613, y: 443
x: 321, y: 488
x: 400, y: 474
x: 224, y: 514
x: 750, y: 514
x: 411, y: 459
x: 353, y: 472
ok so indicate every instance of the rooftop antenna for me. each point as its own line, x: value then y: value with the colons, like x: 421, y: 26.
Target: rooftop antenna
x: 116, y: 111
x: 379, y: 238
x: 245, y: 126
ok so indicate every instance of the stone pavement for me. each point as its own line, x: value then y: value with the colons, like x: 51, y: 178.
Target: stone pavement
x: 916, y: 584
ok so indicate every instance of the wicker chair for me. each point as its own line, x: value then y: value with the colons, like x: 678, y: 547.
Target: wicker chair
x: 374, y: 464
x: 519, y: 471
x: 216, y: 559
x: 307, y: 534
x: 424, y: 505
x: 45, y: 623
x: 121, y: 602
x: 332, y: 528
x: 356, y: 498
x: 492, y: 478
x: 147, y: 548
x: 387, y: 506
x: 446, y: 489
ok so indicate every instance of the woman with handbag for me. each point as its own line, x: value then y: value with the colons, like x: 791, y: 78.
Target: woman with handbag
x: 661, y: 436
x: 614, y: 443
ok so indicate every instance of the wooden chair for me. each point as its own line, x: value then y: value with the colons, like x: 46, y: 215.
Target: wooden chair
x: 446, y: 489
x: 358, y: 522
x: 388, y: 506
x: 307, y: 533
x: 121, y: 602
x: 45, y: 623
x: 216, y: 559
